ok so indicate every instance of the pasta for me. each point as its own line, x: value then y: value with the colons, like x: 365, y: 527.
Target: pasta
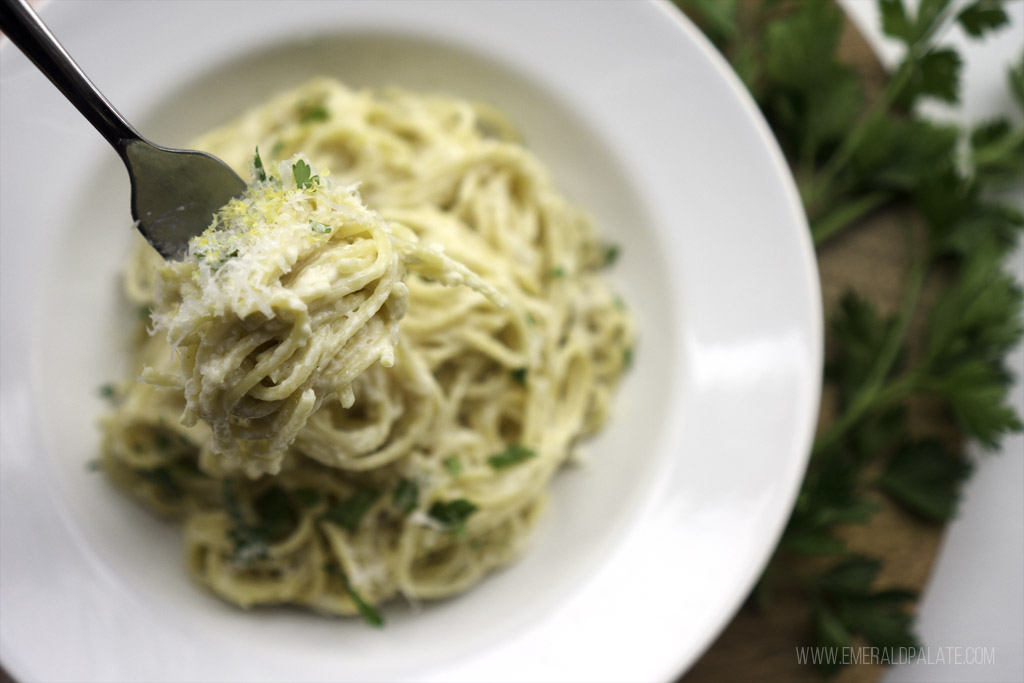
x: 344, y: 402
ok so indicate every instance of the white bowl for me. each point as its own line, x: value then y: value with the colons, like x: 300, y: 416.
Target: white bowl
x: 645, y: 553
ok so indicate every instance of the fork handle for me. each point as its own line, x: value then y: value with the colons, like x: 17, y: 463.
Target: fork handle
x: 30, y: 34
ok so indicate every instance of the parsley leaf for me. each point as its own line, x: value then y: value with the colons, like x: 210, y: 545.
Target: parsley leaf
x: 162, y: 477
x: 453, y: 465
x: 274, y: 511
x: 367, y: 611
x: 895, y: 22
x: 311, y: 111
x: 348, y: 513
x: 319, y: 228
x: 982, y: 16
x: 257, y: 164
x: 519, y: 376
x: 512, y: 455
x: 997, y: 152
x: 1015, y: 77
x: 936, y: 74
x: 249, y: 544
x: 452, y: 514
x: 406, y: 495
x: 303, y: 175
x: 610, y: 254
x: 846, y: 606
x: 828, y: 631
x: 925, y: 478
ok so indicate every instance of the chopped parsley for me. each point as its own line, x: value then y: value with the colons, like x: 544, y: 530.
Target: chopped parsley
x: 519, y: 375
x: 257, y: 163
x: 557, y: 272
x: 319, y: 228
x: 162, y: 477
x: 453, y: 465
x: 452, y: 514
x: 216, y: 259
x: 276, y: 520
x: 348, y: 513
x: 367, y: 611
x: 627, y: 358
x: 512, y: 455
x: 310, y: 112
x: 108, y: 391
x: 610, y: 254
x: 303, y: 175
x: 162, y: 441
x: 406, y: 495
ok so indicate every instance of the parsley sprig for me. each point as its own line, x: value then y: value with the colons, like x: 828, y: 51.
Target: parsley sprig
x: 852, y: 156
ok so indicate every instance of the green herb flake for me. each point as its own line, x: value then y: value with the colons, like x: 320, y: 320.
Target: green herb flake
x: 276, y: 150
x: 627, y: 358
x: 610, y: 254
x: 257, y: 164
x: 162, y: 441
x: 558, y: 272
x: 249, y: 544
x: 310, y: 112
x: 216, y: 263
x: 348, y: 513
x: 367, y: 611
x: 453, y: 465
x: 519, y: 376
x: 319, y: 228
x: 512, y: 455
x: 108, y: 391
x: 277, y: 518
x: 452, y: 514
x: 143, y: 311
x: 303, y: 175
x: 164, y: 480
x: 186, y: 468
x: 406, y: 495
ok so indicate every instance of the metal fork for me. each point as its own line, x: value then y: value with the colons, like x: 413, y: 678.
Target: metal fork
x: 174, y: 192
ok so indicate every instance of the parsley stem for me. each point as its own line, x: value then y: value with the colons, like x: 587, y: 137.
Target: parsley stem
x: 994, y: 152
x: 852, y: 141
x: 874, y: 393
x: 834, y: 221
